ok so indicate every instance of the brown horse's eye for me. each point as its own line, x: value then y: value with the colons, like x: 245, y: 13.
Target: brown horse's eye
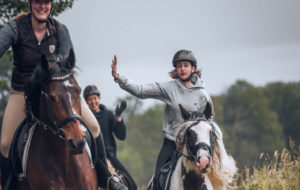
x: 52, y: 98
x: 78, y: 90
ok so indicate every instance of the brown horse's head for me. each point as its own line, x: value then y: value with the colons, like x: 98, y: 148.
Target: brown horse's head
x: 53, y: 97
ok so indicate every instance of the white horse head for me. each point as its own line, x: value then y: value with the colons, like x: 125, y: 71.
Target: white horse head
x: 204, y: 160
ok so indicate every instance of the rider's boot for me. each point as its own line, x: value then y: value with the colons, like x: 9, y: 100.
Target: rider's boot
x: 6, y: 173
x: 104, y: 176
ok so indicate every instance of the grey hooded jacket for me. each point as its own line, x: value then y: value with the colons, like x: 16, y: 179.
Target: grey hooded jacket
x: 172, y: 93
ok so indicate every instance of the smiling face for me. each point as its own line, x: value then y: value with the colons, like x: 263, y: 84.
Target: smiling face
x: 41, y: 9
x: 184, y: 69
x: 93, y: 101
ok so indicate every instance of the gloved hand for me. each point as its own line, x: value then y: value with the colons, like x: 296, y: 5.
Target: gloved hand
x: 120, y: 108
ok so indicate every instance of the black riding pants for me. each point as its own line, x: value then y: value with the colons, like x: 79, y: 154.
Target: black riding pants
x: 167, y: 150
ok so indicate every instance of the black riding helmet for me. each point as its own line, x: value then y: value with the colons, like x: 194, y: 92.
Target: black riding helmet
x: 41, y: 21
x: 184, y: 55
x: 89, y: 90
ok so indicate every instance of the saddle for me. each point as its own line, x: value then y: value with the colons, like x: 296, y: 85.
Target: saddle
x: 165, y: 174
x: 22, y: 140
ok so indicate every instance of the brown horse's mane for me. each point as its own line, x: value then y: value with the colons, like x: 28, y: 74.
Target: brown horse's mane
x: 32, y: 89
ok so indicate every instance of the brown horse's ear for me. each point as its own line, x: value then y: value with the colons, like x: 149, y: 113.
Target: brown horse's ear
x: 185, y: 114
x: 45, y: 65
x: 71, y: 60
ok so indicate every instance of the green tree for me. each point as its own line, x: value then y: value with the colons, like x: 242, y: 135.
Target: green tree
x: 11, y: 8
x: 218, y: 102
x: 285, y: 101
x: 251, y: 125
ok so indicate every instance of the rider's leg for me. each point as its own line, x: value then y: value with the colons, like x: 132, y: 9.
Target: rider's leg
x: 102, y: 169
x: 90, y: 120
x: 101, y: 165
x: 167, y: 150
x: 13, y: 116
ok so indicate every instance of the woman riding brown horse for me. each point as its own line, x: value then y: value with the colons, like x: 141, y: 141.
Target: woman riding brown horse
x: 56, y: 157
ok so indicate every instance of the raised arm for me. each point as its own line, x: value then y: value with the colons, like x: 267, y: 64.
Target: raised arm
x: 152, y: 90
x: 114, y: 72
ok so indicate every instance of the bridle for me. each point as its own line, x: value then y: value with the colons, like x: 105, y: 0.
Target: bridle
x: 191, y: 151
x: 56, y: 125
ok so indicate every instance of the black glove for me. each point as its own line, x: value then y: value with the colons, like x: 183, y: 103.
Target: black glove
x: 121, y: 108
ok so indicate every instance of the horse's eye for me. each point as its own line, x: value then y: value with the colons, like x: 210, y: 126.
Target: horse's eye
x: 52, y: 98
x: 78, y: 90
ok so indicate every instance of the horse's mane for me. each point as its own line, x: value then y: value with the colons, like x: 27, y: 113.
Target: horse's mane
x: 33, y: 87
x: 223, y: 168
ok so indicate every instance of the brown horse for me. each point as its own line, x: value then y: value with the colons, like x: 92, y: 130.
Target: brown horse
x: 56, y: 159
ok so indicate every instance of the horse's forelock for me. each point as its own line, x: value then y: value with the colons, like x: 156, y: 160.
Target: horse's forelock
x: 39, y: 77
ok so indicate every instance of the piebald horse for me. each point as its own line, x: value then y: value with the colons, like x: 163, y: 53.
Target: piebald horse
x: 204, y: 163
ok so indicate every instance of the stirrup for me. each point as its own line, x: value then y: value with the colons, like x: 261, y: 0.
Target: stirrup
x: 112, y: 184
x: 112, y: 178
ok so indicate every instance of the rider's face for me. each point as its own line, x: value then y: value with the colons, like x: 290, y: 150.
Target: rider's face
x: 41, y: 8
x: 184, y: 69
x: 93, y: 102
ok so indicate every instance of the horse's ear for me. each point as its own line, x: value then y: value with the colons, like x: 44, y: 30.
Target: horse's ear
x: 71, y: 60
x: 180, y: 137
x: 185, y: 114
x: 45, y: 65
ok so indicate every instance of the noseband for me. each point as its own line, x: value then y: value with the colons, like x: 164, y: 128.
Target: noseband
x: 57, y: 125
x: 191, y: 151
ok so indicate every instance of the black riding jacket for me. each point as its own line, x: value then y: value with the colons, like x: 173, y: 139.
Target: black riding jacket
x: 19, y: 34
x: 110, y: 127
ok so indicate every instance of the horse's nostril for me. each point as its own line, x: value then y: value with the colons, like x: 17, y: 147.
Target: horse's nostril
x: 75, y: 146
x: 81, y: 144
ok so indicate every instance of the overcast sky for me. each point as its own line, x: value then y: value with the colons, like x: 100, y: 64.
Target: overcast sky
x: 253, y: 40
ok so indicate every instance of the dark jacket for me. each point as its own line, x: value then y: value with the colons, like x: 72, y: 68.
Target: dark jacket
x: 19, y: 34
x: 110, y: 127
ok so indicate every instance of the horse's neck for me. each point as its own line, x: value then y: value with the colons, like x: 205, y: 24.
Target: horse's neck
x: 46, y: 144
x: 188, y: 180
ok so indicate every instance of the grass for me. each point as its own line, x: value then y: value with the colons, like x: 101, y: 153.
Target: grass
x: 279, y: 172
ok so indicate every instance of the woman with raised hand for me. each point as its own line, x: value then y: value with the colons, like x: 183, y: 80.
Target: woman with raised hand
x: 186, y: 89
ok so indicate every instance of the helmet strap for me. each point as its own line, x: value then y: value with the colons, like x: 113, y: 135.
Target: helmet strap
x: 187, y: 79
x: 193, y: 78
